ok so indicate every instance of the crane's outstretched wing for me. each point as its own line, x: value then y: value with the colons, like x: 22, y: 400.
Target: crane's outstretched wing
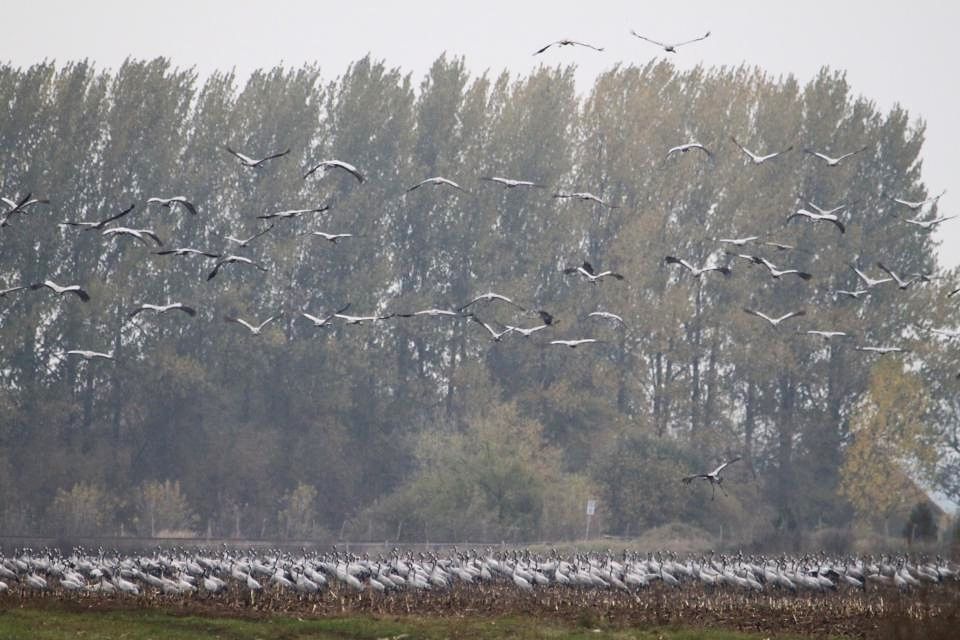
x: 853, y: 153
x: 703, y: 37
x: 275, y: 155
x: 656, y: 42
x: 724, y: 465
x: 242, y: 157
x: 539, y: 51
x: 118, y: 215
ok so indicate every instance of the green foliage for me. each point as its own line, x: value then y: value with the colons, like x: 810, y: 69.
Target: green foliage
x: 83, y: 510
x: 497, y: 479
x: 162, y: 510
x: 890, y: 435
x: 298, y: 516
x: 632, y: 471
x: 528, y: 432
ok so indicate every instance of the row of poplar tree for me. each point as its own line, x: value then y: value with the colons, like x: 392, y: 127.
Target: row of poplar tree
x: 423, y: 428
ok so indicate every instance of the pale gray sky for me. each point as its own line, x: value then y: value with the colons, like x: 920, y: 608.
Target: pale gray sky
x: 892, y: 51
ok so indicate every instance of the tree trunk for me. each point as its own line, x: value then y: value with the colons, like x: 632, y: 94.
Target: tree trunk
x: 749, y: 426
x: 695, y: 341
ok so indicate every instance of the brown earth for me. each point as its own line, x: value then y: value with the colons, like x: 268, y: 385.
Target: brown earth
x: 930, y: 613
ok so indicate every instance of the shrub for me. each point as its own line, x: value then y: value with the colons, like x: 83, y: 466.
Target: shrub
x: 161, y: 506
x: 84, y: 510
x: 631, y: 470
x: 298, y: 516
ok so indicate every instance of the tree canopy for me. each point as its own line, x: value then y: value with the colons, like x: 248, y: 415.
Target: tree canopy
x: 303, y: 429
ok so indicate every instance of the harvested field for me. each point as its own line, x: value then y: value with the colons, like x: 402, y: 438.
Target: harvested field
x: 885, y: 613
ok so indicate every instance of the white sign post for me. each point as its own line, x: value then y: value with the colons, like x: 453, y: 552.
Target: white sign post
x: 591, y: 509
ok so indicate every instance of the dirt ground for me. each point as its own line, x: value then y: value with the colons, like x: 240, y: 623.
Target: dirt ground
x: 932, y: 612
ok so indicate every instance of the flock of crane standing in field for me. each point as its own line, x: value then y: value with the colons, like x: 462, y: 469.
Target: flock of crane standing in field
x: 186, y: 573
x: 522, y: 573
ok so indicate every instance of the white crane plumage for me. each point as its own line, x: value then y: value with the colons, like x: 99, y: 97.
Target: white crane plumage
x: 90, y: 355
x: 946, y: 333
x: 756, y: 158
x: 167, y: 203
x: 139, y: 234
x: 689, y: 146
x: 929, y: 225
x: 778, y: 273
x: 437, y: 180
x: 573, y: 344
x: 818, y: 217
x: 738, y: 242
x: 828, y: 212
x: 779, y: 246
x: 254, y: 163
x: 585, y: 196
x: 292, y: 213
x: 495, y: 335
x: 775, y: 322
x: 362, y: 319
x: 566, y: 42
x: 867, y: 280
x: 510, y: 183
x: 19, y: 206
x: 326, y: 165
x: 586, y: 270
x: 186, y: 251
x: 697, y: 272
x: 490, y: 296
x: 916, y: 205
x: 331, y: 237
x: 231, y: 259
x: 606, y: 315
x: 5, y: 292
x: 75, y: 289
x: 255, y: 329
x: 833, y: 162
x: 243, y: 244
x: 667, y: 46
x: 164, y: 308
x: 902, y: 284
x: 526, y: 332
x: 856, y: 294
x: 36, y: 582
x: 326, y: 320
x: 96, y: 226
x: 432, y: 313
x: 714, y: 477
x: 880, y: 350
x: 826, y: 335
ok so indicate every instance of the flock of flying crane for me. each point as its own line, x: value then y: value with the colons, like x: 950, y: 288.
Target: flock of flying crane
x: 202, y: 572
x: 21, y: 207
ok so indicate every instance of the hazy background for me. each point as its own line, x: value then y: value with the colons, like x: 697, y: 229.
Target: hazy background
x: 892, y: 51
x: 418, y: 429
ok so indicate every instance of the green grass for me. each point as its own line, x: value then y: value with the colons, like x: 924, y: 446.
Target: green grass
x: 35, y: 624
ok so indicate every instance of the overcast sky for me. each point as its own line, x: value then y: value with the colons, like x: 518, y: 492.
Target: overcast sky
x: 892, y: 51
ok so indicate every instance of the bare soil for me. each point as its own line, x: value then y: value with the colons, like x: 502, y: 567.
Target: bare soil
x: 931, y: 613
